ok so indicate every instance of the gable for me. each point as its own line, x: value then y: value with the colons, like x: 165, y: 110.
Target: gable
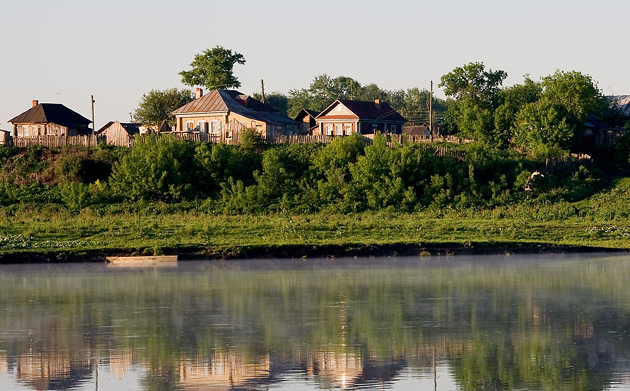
x: 337, y: 110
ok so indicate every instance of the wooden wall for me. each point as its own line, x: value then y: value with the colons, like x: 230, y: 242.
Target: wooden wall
x: 116, y: 135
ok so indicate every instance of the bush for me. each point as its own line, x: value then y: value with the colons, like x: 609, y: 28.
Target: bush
x: 157, y: 168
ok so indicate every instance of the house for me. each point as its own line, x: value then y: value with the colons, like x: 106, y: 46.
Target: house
x: 5, y: 137
x: 345, y: 117
x: 306, y: 120
x: 119, y: 133
x: 599, y: 133
x: 421, y: 131
x: 46, y: 119
x: 223, y: 113
x: 624, y: 104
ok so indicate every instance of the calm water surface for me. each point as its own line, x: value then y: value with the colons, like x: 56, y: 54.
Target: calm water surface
x: 451, y: 323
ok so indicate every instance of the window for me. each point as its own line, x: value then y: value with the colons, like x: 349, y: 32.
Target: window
x: 393, y: 128
x: 215, y: 127
x: 339, y: 129
x: 189, y: 126
x: 204, y: 126
x: 347, y: 129
x: 329, y: 129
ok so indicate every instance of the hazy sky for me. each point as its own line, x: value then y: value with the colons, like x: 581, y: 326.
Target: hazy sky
x: 62, y: 51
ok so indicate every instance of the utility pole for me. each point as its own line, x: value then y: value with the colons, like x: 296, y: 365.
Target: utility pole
x: 92, y: 102
x: 262, y: 84
x: 431, y: 108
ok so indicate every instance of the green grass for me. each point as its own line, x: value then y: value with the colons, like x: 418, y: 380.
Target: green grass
x: 600, y: 221
x: 86, y: 232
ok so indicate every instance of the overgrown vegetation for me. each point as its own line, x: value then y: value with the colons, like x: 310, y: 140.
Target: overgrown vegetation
x: 516, y: 171
x: 348, y: 175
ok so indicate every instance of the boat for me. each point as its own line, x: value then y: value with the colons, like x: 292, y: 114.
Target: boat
x: 141, y: 261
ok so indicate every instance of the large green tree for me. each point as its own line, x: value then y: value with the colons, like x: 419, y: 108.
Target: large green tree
x: 511, y: 101
x: 555, y: 122
x: 476, y: 91
x: 213, y: 69
x: 156, y: 106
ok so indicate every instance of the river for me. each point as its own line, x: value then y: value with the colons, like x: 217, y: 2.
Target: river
x: 557, y: 322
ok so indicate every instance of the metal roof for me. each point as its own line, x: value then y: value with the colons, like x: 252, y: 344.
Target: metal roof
x: 51, y: 112
x: 304, y: 112
x: 130, y: 127
x: 236, y: 102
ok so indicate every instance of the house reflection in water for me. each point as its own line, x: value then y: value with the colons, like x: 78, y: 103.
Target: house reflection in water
x: 224, y: 371
x: 335, y: 369
x: 45, y: 371
x: 120, y: 362
x: 4, y: 364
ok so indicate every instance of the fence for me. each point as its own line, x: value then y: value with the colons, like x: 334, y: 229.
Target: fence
x: 91, y: 140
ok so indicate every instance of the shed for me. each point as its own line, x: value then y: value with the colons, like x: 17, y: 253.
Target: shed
x: 5, y: 136
x: 120, y: 134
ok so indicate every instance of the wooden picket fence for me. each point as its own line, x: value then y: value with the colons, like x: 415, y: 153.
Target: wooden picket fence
x: 93, y: 140
x: 90, y: 140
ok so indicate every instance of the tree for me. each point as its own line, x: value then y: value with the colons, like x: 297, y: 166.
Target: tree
x: 542, y: 131
x: 157, y: 106
x: 511, y: 101
x: 213, y: 69
x: 577, y: 94
x: 555, y: 123
x: 277, y: 100
x: 476, y: 97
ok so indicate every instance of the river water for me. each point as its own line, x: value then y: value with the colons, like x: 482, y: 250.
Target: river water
x: 447, y: 323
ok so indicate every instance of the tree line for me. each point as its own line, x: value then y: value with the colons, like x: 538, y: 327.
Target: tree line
x: 542, y: 119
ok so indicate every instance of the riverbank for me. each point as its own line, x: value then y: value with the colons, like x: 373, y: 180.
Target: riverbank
x: 57, y: 236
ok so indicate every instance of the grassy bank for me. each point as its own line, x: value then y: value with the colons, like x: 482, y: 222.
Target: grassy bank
x: 61, y: 234
x: 345, y: 198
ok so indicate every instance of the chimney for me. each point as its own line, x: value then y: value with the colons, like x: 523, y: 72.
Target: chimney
x: 35, y: 102
x: 198, y: 93
x: 377, y: 101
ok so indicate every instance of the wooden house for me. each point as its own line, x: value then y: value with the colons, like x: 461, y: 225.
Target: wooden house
x: 599, y: 133
x: 119, y: 133
x: 50, y: 119
x: 346, y: 117
x: 5, y: 137
x: 306, y: 121
x: 222, y: 113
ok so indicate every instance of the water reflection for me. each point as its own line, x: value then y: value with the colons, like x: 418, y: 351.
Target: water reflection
x: 465, y: 323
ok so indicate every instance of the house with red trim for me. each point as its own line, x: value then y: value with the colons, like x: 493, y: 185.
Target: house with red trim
x: 345, y: 117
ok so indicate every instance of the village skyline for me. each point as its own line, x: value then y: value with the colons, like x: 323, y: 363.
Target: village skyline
x: 117, y: 51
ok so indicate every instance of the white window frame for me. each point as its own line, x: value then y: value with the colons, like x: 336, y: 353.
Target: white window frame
x: 329, y: 129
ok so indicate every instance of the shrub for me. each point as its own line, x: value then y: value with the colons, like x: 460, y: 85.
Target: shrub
x: 157, y: 168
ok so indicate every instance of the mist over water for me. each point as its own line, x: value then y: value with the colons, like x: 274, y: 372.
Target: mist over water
x: 467, y: 323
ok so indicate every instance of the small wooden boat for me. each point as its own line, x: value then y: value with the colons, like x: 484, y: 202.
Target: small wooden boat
x: 141, y: 261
